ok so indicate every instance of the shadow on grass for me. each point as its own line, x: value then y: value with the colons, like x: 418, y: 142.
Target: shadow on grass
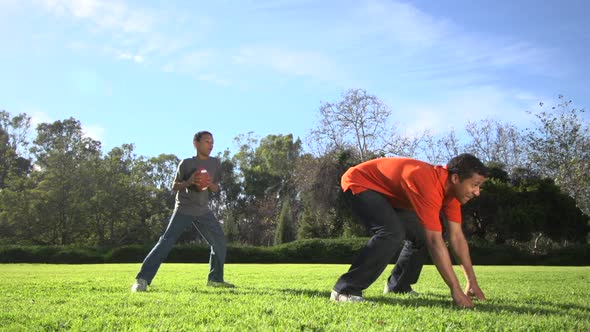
x: 307, y: 292
x: 424, y: 300
x: 500, y: 305
x: 400, y: 300
x: 545, y: 308
x: 442, y: 301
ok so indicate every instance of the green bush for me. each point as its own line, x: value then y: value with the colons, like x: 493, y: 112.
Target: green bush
x: 180, y: 253
x: 248, y: 254
x: 27, y: 254
x: 16, y: 255
x: 486, y: 254
x: 324, y: 251
x: 333, y: 251
x: 50, y: 254
x: 578, y: 255
x: 77, y: 256
x: 188, y: 254
x: 127, y: 254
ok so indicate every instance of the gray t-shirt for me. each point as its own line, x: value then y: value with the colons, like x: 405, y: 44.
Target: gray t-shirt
x: 192, y: 201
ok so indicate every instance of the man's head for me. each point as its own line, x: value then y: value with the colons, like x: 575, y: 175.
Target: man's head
x: 203, y: 142
x: 466, y: 175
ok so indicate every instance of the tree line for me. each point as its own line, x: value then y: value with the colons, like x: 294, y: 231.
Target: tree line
x: 57, y: 187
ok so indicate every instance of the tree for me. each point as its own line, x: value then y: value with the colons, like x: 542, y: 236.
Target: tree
x: 273, y: 166
x: 502, y: 213
x: 317, y: 181
x: 559, y: 148
x: 497, y: 172
x: 312, y: 225
x: 440, y: 150
x: 562, y: 220
x: 128, y: 193
x: 17, y: 129
x: 267, y: 177
x: 13, y: 145
x: 228, y: 203
x: 20, y: 214
x: 359, y: 121
x: 62, y: 152
x: 406, y: 146
x: 161, y: 170
x: 495, y: 142
x: 285, y: 225
x: 326, y: 209
x: 508, y: 211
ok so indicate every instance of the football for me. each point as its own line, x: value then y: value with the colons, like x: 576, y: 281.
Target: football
x: 203, y: 179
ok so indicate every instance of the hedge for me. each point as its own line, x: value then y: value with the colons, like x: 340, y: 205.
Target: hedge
x: 323, y: 251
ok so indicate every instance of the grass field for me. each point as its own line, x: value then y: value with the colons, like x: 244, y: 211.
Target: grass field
x: 38, y: 297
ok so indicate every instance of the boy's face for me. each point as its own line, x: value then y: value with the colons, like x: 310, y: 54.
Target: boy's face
x: 204, y: 146
x: 467, y: 189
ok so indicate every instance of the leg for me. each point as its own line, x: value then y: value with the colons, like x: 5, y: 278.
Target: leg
x: 154, y: 259
x: 411, y: 259
x: 212, y: 232
x: 381, y: 219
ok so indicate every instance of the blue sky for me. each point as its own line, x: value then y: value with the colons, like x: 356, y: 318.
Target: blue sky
x: 153, y: 73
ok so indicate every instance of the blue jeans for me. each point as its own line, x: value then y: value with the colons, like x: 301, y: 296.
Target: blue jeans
x: 211, y: 231
x: 390, y: 227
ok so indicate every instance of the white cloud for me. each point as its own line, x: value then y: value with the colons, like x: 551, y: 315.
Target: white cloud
x: 8, y: 5
x: 418, y: 45
x: 460, y: 107
x: 404, y: 23
x: 137, y: 34
x: 215, y: 79
x: 131, y: 29
x: 107, y: 14
x: 298, y: 63
x: 37, y: 116
x: 93, y: 131
x: 437, y: 46
x: 127, y: 56
x: 164, y: 44
x: 190, y: 62
x: 197, y: 64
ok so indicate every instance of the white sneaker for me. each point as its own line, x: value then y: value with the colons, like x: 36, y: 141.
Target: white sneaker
x: 337, y: 297
x: 223, y: 284
x: 140, y: 285
x: 411, y: 292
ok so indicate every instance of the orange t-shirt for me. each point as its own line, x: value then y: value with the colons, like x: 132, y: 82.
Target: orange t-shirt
x: 409, y: 184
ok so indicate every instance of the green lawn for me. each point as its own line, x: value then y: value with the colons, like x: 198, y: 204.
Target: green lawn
x: 282, y: 297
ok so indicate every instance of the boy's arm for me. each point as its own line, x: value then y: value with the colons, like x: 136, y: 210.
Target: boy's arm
x: 442, y: 261
x: 461, y: 251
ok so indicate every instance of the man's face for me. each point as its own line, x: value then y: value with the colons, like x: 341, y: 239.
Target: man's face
x: 468, y: 188
x: 204, y: 146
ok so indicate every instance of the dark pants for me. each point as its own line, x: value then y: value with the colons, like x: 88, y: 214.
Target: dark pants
x: 209, y: 228
x: 390, y: 227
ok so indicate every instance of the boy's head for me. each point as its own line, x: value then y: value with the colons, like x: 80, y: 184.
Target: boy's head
x: 466, y: 175
x: 203, y: 142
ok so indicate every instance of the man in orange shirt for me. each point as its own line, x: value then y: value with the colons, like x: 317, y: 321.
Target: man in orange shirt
x: 401, y: 199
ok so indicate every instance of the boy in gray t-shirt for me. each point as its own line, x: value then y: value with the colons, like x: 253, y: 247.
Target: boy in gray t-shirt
x: 195, y: 177
x: 194, y: 201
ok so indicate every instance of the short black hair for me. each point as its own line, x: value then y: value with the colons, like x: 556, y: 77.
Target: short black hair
x: 465, y: 165
x: 200, y: 134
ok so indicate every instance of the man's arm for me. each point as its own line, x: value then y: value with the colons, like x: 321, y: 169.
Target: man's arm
x: 214, y: 187
x: 442, y: 261
x: 214, y: 184
x: 178, y: 183
x: 195, y: 178
x: 461, y: 251
x: 182, y: 185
